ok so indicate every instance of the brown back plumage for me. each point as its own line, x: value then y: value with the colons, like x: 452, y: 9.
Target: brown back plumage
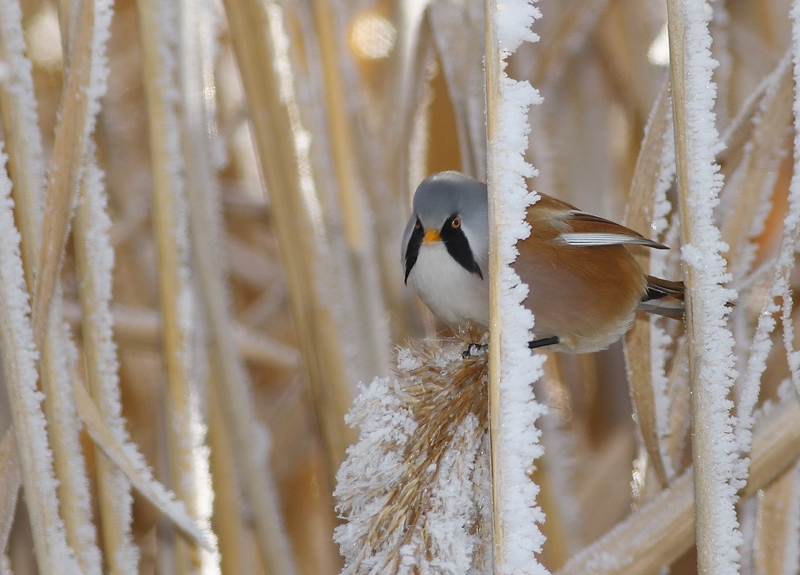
x: 585, y: 285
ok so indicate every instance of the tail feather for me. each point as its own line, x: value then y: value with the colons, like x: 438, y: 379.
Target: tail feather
x: 663, y: 297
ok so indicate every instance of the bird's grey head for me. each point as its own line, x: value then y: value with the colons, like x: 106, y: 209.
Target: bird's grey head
x: 444, y: 195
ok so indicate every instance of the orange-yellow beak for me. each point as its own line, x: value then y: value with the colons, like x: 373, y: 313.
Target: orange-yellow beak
x: 431, y: 236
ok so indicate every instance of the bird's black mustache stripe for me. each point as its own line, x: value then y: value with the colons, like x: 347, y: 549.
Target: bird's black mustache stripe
x: 412, y: 251
x: 454, y: 240
x: 458, y: 246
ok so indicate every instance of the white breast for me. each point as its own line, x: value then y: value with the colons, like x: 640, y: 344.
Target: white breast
x: 455, y: 295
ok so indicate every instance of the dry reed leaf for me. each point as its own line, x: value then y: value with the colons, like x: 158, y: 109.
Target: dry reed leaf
x: 25, y: 162
x: 187, y: 459
x: 749, y: 188
x: 10, y: 483
x: 601, y: 507
x: 120, y: 455
x: 93, y: 260
x: 740, y: 129
x: 776, y: 524
x: 57, y: 350
x: 141, y: 326
x: 414, y: 490
x: 640, y: 216
x: 680, y: 416
x: 554, y: 472
x: 663, y: 529
x: 65, y: 167
x: 271, y: 120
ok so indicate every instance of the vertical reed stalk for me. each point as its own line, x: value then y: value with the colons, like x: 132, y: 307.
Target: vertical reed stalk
x: 91, y: 247
x: 663, y: 529
x: 170, y: 222
x: 229, y: 374
x: 19, y: 367
x: 295, y: 221
x: 227, y: 508
x: 639, y: 216
x: 58, y: 353
x: 342, y: 146
x: 66, y: 164
x: 714, y: 511
x: 493, y: 68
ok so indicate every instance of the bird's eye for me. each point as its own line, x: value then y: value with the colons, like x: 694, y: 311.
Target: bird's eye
x: 417, y: 225
x: 456, y: 222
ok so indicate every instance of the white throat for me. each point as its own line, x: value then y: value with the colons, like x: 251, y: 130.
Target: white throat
x: 454, y: 294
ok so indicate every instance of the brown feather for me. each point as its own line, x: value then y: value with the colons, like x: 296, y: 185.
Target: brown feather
x: 664, y: 298
x: 577, y: 221
x: 582, y: 222
x: 585, y: 296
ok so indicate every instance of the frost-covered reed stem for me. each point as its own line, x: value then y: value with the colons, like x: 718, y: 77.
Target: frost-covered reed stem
x: 645, y: 374
x: 265, y: 73
x: 53, y: 554
x: 232, y: 420
x: 78, y: 104
x: 711, y: 361
x: 94, y: 258
x: 228, y: 513
x: 512, y: 367
x: 232, y: 386
x: 793, y: 218
x: 114, y: 489
x: 185, y: 429
x: 662, y: 530
x: 58, y: 353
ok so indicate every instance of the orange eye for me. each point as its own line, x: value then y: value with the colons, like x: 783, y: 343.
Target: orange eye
x: 456, y: 222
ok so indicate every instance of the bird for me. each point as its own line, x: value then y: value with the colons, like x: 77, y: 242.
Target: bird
x: 585, y: 285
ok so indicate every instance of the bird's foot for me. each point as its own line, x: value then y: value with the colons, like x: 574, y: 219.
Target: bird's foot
x: 474, y: 350
x: 543, y: 342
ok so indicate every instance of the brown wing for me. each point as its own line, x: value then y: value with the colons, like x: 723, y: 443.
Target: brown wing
x: 597, y: 227
x: 585, y: 229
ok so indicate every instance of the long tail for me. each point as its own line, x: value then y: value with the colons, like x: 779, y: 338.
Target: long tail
x: 663, y: 297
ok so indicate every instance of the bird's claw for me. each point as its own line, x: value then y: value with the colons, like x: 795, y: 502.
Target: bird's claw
x: 474, y: 350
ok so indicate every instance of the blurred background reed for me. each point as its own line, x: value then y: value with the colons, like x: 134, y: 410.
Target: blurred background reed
x: 260, y: 157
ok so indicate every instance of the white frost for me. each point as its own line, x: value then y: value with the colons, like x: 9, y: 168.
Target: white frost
x: 717, y: 488
x: 517, y: 440
x: 19, y: 364
x: 438, y: 525
x: 793, y: 214
x: 659, y: 338
x: 98, y: 280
